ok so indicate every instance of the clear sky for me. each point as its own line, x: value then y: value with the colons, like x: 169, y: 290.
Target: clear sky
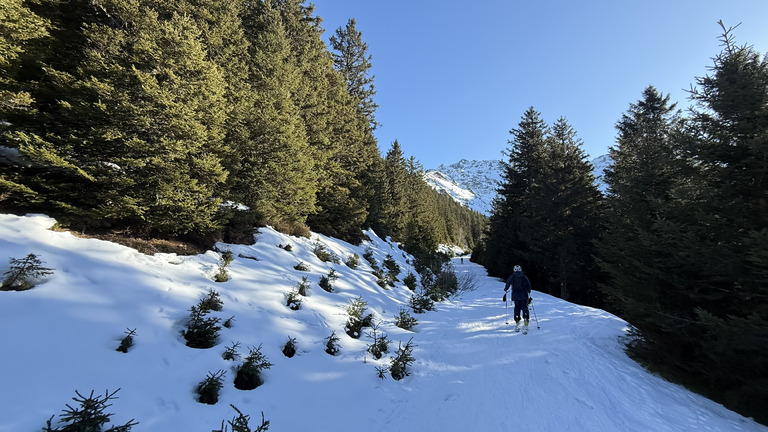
x: 453, y: 77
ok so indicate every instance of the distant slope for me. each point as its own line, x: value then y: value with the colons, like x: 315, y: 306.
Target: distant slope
x: 472, y: 183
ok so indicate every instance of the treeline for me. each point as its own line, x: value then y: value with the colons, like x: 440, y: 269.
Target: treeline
x: 170, y: 118
x: 678, y: 247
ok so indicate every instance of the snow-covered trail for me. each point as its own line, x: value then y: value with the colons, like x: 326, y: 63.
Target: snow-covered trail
x: 474, y: 372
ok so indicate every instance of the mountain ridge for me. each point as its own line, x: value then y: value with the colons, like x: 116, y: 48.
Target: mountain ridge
x: 474, y: 183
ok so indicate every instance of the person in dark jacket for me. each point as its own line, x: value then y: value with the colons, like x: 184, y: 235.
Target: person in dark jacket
x: 521, y: 294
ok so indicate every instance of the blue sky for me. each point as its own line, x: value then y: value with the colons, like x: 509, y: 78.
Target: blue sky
x: 453, y: 77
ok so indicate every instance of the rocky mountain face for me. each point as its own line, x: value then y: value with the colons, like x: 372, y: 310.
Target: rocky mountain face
x: 470, y: 182
x: 474, y: 183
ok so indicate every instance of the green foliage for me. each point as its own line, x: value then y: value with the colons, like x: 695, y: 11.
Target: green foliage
x: 89, y: 416
x: 421, y: 303
x: 321, y: 252
x: 228, y: 322
x: 326, y: 282
x: 289, y: 349
x: 240, y: 423
x: 293, y: 300
x: 221, y: 276
x: 381, y: 372
x: 685, y: 244
x: 303, y: 287
x: 249, y: 373
x: 301, y: 266
x: 368, y: 255
x: 230, y: 352
x: 357, y: 318
x: 410, y: 281
x: 332, y: 346
x: 402, y: 360
x: 443, y: 285
x: 380, y: 344
x: 127, y: 342
x: 381, y: 279
x: 547, y: 215
x: 211, y: 302
x: 353, y: 261
x: 404, y: 320
x: 227, y: 257
x: 208, y: 389
x: 23, y: 272
x: 202, y: 331
x: 353, y: 61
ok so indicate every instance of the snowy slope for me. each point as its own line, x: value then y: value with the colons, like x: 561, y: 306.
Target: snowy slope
x: 472, y: 183
x: 472, y: 371
x: 600, y: 164
x: 475, y: 183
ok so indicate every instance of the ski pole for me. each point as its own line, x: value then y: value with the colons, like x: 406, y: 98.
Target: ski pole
x: 506, y: 310
x: 534, y: 315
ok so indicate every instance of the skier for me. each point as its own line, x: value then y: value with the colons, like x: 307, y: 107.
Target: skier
x: 521, y: 294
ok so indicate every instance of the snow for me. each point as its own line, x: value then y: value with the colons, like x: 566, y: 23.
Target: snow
x: 471, y: 372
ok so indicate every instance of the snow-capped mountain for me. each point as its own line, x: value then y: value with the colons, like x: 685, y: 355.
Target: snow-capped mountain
x: 600, y: 164
x: 474, y: 183
x: 470, y: 182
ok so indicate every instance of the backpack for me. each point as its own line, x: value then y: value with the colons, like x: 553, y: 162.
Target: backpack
x: 517, y: 282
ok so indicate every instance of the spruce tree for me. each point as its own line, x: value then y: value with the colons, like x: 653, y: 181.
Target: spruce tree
x: 274, y: 173
x: 727, y: 198
x: 503, y: 248
x: 351, y: 58
x: 20, y: 27
x: 128, y: 128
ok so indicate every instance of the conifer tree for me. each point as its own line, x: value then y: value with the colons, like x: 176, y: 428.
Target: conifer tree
x: 502, y: 247
x: 721, y: 216
x: 274, y: 172
x: 351, y: 58
x: 19, y: 29
x: 131, y: 134
x: 567, y: 217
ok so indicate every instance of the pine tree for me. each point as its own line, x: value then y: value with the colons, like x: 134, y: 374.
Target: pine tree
x: 351, y: 58
x: 503, y: 248
x: 727, y: 225
x: 274, y: 173
x: 568, y: 208
x: 19, y: 28
x: 131, y: 133
x: 635, y: 248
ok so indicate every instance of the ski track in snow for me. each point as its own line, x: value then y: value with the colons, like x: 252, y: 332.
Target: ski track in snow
x: 472, y: 372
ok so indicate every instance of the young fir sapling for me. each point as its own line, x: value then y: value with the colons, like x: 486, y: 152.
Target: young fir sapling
x: 202, y: 331
x: 289, y: 349
x: 208, y: 389
x: 127, y: 342
x: 332, y: 346
x: 240, y: 423
x: 89, y: 416
x: 402, y: 359
x: 249, y: 373
x: 23, y: 272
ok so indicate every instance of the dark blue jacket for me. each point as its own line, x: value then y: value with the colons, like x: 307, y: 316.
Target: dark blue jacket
x: 521, y: 286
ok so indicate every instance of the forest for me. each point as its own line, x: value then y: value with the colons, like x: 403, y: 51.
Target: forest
x: 679, y: 244
x: 203, y: 119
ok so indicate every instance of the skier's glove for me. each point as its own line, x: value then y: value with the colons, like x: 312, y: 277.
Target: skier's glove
x: 530, y: 299
x: 504, y: 298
